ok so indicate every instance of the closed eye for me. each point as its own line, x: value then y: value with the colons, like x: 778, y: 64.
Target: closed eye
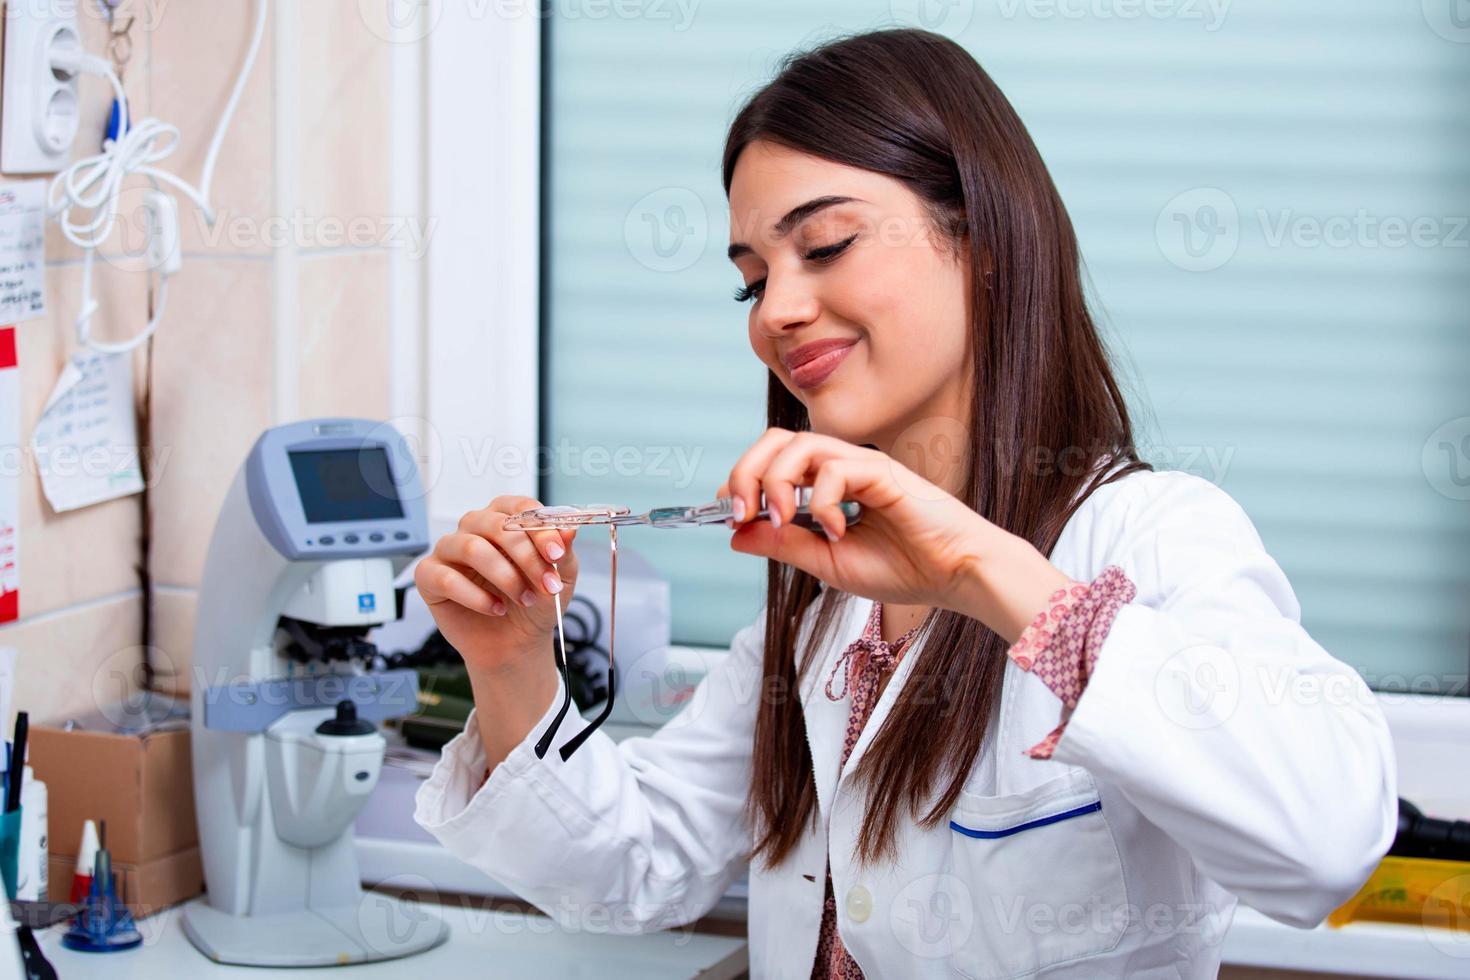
x: 747, y: 293
x: 822, y: 253
x: 826, y: 253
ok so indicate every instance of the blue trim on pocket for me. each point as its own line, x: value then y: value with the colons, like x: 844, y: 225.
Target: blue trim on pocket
x: 1087, y: 808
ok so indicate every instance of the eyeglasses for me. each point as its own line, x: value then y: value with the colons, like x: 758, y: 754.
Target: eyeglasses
x: 717, y: 511
x: 559, y: 518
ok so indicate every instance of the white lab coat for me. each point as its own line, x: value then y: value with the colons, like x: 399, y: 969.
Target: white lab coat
x: 1217, y: 752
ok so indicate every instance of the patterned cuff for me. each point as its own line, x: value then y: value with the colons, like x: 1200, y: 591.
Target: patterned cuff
x: 1060, y: 646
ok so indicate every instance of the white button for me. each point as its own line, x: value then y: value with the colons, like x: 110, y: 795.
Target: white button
x: 859, y: 903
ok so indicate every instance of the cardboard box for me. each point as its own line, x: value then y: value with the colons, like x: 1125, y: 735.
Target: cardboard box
x: 143, y: 786
x: 144, y: 889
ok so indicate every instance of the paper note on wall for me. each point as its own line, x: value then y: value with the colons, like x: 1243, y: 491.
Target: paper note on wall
x: 22, y: 251
x: 9, y: 477
x: 86, y: 442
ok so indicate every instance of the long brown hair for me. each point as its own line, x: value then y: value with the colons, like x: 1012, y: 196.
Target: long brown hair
x: 1045, y: 411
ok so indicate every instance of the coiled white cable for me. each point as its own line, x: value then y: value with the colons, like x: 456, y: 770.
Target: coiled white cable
x: 84, y: 198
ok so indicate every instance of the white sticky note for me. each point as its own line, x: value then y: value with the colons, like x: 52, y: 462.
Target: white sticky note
x: 22, y: 251
x: 86, y: 442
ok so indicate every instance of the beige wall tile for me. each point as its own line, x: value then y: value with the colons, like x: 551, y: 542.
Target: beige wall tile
x: 212, y: 397
x: 173, y: 640
x: 96, y: 99
x: 71, y: 662
x: 343, y: 330
x: 92, y: 552
x: 197, y: 49
x: 342, y: 120
x: 213, y: 361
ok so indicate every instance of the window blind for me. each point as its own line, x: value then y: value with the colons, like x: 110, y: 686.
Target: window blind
x: 1271, y: 200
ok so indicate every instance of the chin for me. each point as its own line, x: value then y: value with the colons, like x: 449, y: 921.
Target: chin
x: 829, y: 418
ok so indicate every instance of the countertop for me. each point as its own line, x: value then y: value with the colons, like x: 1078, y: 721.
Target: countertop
x: 485, y: 944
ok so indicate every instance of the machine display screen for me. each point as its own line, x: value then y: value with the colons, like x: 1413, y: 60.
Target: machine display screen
x: 346, y: 484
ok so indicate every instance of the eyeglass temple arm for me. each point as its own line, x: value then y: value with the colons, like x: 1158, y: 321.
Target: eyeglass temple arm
x: 575, y: 742
x: 544, y: 742
x: 612, y: 644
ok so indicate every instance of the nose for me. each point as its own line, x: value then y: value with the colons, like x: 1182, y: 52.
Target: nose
x: 787, y: 303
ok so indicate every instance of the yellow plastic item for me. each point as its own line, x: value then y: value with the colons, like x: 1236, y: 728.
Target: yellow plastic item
x: 1417, y: 891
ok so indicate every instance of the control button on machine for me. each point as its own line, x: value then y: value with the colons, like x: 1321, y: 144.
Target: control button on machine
x: 326, y: 539
x: 375, y: 536
x: 400, y: 535
x: 350, y: 538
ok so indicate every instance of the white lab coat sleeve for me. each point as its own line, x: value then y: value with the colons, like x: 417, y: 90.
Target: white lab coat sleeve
x: 1215, y: 714
x: 630, y: 837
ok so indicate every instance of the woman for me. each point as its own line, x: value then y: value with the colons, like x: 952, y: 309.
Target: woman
x: 1040, y: 712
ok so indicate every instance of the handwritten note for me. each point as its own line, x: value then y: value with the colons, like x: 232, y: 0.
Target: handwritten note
x: 86, y: 442
x: 22, y: 251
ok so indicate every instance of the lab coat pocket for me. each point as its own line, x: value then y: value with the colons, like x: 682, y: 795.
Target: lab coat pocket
x: 1044, y: 877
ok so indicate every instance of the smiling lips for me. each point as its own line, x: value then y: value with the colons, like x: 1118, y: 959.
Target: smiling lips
x: 811, y: 364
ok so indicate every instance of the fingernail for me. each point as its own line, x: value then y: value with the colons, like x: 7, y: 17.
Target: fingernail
x: 528, y: 598
x: 739, y: 509
x: 497, y: 608
x: 775, y: 517
x: 831, y: 536
x: 554, y: 551
x: 553, y: 584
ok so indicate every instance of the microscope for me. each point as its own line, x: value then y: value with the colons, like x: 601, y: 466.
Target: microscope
x: 318, y: 522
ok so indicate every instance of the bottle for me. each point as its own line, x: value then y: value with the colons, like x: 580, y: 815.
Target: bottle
x: 31, y: 871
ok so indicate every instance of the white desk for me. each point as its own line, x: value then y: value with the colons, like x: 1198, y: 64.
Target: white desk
x: 486, y: 945
x: 1367, y: 949
x: 1430, y: 735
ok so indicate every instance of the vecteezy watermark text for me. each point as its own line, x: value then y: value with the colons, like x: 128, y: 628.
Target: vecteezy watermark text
x: 1201, y: 229
x: 1209, y: 13
x: 568, y: 459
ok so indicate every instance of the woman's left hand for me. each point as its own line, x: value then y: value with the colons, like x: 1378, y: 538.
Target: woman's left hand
x: 916, y: 544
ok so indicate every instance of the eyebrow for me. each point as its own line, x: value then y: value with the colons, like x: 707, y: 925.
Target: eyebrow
x: 793, y: 218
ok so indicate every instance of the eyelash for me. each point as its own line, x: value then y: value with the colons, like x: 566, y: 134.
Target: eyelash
x: 822, y: 254
x: 744, y: 294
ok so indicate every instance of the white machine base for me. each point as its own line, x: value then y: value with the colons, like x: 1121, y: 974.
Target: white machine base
x: 380, y: 927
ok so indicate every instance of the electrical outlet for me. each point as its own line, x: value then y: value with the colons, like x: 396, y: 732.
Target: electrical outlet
x: 41, y: 106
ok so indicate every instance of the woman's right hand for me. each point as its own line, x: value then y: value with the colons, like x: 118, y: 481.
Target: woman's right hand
x: 490, y: 589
